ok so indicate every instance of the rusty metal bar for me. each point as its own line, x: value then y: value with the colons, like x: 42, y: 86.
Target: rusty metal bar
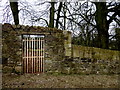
x: 27, y: 55
x: 36, y: 55
x: 43, y: 54
x: 23, y: 47
x: 32, y: 55
x: 34, y: 40
x: 41, y: 58
x: 24, y: 56
x: 39, y: 55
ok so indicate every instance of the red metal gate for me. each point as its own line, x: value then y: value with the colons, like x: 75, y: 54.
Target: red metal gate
x: 33, y: 53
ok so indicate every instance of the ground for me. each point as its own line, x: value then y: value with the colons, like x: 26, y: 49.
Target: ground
x: 59, y: 81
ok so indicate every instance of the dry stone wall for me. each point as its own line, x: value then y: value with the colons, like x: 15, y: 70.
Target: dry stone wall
x: 60, y: 55
x: 12, y: 44
x: 90, y: 60
x: 94, y: 53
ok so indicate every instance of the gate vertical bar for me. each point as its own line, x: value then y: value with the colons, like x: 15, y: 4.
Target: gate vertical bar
x: 43, y: 54
x: 23, y: 50
x: 22, y: 59
x: 25, y: 59
x: 32, y: 55
x: 38, y: 52
x: 23, y: 56
x: 39, y: 55
x: 27, y: 56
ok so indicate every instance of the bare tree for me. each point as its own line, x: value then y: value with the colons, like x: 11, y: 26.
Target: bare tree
x: 102, y: 24
x: 6, y: 13
x: 84, y: 19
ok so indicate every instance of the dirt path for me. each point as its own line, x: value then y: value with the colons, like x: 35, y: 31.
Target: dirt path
x: 60, y: 81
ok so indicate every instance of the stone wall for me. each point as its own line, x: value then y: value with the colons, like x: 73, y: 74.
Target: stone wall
x: 90, y: 60
x: 54, y: 44
x: 94, y: 53
x: 60, y: 55
x: 67, y: 43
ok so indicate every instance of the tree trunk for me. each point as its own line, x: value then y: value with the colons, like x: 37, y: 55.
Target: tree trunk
x: 64, y: 15
x: 117, y: 31
x: 15, y: 11
x: 58, y: 15
x: 51, y: 21
x: 102, y: 25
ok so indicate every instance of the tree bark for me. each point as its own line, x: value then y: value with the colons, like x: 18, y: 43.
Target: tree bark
x: 15, y: 12
x: 51, y: 21
x: 58, y: 15
x: 117, y: 31
x: 64, y: 15
x: 102, y: 25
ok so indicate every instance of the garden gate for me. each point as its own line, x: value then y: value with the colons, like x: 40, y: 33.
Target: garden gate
x: 33, y: 53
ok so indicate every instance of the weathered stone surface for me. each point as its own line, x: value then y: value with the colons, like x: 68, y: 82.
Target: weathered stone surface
x: 95, y: 53
x: 60, y: 55
x: 67, y: 43
x: 54, y: 43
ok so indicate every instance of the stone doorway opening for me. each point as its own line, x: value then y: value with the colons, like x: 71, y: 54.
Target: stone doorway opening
x: 33, y: 53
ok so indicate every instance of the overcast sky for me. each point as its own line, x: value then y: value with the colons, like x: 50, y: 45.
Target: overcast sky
x: 25, y: 19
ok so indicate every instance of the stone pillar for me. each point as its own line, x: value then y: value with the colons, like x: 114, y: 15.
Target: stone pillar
x: 67, y: 43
